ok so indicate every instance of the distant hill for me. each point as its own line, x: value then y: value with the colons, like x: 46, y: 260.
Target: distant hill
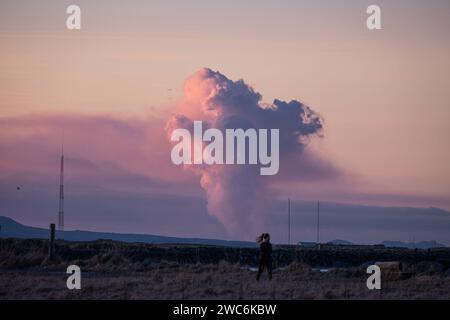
x: 397, y: 244
x: 12, y: 229
x: 340, y: 242
x: 413, y: 245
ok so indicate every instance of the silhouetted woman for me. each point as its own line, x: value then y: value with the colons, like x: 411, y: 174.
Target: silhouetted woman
x: 265, y: 257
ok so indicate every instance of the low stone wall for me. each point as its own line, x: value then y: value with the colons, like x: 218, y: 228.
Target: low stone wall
x: 147, y: 254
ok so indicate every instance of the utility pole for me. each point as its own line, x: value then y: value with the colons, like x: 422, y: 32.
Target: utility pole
x: 61, y: 193
x: 51, y: 244
x: 318, y: 222
x: 289, y: 221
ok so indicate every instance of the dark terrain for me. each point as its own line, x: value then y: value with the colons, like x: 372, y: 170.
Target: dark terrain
x: 117, y: 270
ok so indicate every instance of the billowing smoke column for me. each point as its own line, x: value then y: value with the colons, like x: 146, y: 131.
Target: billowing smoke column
x: 237, y: 194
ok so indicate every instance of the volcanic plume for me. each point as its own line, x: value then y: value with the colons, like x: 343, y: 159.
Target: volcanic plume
x: 237, y: 194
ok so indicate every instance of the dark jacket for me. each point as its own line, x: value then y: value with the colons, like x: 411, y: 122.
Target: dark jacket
x: 266, y: 251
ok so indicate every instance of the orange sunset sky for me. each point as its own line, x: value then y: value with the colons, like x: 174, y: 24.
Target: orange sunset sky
x: 383, y: 95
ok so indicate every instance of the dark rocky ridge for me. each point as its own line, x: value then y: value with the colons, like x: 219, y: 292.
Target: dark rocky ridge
x: 23, y: 253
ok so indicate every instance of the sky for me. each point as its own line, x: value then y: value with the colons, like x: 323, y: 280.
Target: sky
x: 109, y: 89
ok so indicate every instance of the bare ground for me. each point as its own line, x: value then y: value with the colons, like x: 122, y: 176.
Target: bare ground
x: 219, y: 281
x: 114, y: 270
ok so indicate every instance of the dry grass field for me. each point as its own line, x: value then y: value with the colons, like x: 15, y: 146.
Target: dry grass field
x: 25, y: 273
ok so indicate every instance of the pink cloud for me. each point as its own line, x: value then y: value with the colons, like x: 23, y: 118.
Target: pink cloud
x: 238, y: 195
x: 99, y: 150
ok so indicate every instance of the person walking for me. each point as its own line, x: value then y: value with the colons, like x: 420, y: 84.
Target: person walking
x: 265, y: 257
